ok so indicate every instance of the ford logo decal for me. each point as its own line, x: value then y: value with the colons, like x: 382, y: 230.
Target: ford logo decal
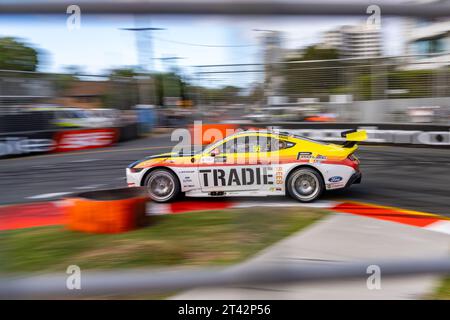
x: 335, y: 179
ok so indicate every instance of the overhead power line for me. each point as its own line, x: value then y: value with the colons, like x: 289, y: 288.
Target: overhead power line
x: 205, y: 45
x: 226, y: 7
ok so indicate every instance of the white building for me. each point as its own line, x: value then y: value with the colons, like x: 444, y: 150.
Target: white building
x: 354, y: 41
x: 332, y: 39
x: 273, y: 55
x: 428, y: 41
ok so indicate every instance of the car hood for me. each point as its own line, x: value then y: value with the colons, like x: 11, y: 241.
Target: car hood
x: 162, y: 157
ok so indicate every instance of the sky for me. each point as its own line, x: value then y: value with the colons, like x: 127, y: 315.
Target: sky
x: 100, y: 44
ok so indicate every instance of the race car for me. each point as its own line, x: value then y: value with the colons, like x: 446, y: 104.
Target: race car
x: 252, y: 163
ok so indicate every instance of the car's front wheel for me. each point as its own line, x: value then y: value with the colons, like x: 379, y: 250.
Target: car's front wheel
x: 305, y: 184
x: 162, y: 185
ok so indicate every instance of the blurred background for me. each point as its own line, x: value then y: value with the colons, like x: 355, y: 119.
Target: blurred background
x: 105, y: 74
x: 165, y: 71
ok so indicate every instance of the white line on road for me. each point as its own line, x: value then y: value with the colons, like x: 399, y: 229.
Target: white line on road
x: 318, y: 204
x: 48, y: 195
x: 91, y: 186
x: 85, y: 160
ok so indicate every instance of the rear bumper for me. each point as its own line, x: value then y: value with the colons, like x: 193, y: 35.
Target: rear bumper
x: 354, y: 179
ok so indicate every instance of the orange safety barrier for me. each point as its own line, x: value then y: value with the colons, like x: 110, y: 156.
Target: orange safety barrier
x: 208, y: 133
x: 107, y: 211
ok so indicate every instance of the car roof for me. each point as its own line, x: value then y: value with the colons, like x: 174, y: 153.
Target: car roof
x: 281, y: 134
x: 263, y: 131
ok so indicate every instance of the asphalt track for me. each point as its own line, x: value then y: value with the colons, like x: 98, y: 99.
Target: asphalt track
x: 411, y: 178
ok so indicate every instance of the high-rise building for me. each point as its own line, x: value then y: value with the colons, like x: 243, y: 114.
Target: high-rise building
x: 427, y: 41
x: 354, y: 41
x: 273, y: 55
x: 332, y: 39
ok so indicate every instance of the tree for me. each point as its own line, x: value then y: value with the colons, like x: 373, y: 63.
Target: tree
x: 311, y: 78
x: 16, y: 55
x: 169, y: 84
x: 315, y: 53
x: 123, y: 91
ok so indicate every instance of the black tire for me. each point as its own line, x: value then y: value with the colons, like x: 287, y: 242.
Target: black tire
x: 157, y: 181
x: 305, y: 184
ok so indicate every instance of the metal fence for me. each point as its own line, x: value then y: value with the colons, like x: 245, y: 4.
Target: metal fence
x: 414, y: 76
x: 20, y: 88
x: 132, y: 282
x: 354, y: 89
x: 394, y: 86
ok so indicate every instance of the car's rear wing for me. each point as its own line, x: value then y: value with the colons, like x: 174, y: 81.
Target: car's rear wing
x: 353, y: 136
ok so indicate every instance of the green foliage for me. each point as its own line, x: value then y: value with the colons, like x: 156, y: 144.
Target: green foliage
x: 16, y: 55
x: 224, y: 95
x: 123, y: 91
x: 315, y: 78
x: 413, y: 83
x: 315, y: 53
x: 168, y: 84
x: 196, y: 238
x: 366, y: 79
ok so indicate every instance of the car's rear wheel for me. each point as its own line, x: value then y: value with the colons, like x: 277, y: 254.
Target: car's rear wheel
x: 305, y: 184
x: 162, y: 185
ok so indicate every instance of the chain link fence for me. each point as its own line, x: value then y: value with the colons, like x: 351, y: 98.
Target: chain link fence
x: 404, y: 88
x: 384, y: 89
x: 18, y: 88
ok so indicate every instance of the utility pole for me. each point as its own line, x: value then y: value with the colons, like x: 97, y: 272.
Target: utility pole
x: 170, y: 66
x: 144, y: 41
x: 271, y: 44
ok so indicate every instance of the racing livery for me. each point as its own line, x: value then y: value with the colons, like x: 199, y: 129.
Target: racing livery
x: 252, y: 163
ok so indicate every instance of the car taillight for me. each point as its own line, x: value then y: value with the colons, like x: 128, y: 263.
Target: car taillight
x: 353, y: 158
x: 135, y: 170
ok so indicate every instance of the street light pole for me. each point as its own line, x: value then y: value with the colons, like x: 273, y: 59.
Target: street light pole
x: 267, y: 67
x: 166, y: 60
x: 147, y: 30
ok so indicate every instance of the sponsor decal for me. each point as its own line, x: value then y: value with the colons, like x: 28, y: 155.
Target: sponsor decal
x: 279, y: 175
x: 335, y: 185
x: 85, y: 139
x: 304, y: 155
x: 207, y: 160
x: 335, y: 179
x: 236, y: 177
x: 21, y: 145
x: 187, y: 171
x: 220, y: 159
x: 310, y: 157
x: 318, y: 159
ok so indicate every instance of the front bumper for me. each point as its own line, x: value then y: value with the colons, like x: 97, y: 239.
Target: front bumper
x: 354, y: 179
x: 133, y: 178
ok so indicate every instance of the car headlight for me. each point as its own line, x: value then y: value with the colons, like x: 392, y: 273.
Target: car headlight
x: 132, y: 167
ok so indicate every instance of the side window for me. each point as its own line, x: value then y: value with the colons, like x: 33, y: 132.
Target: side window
x: 232, y: 146
x: 252, y: 144
x: 278, y: 144
x: 244, y: 144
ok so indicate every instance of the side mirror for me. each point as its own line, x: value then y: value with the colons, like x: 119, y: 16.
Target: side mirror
x: 215, y: 152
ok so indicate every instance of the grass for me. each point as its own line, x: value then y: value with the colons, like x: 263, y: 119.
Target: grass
x: 443, y: 292
x: 190, y: 239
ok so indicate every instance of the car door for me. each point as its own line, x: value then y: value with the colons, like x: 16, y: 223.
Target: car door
x: 234, y: 166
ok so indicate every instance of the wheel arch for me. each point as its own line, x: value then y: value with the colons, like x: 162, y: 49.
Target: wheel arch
x: 155, y: 168
x: 293, y: 169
